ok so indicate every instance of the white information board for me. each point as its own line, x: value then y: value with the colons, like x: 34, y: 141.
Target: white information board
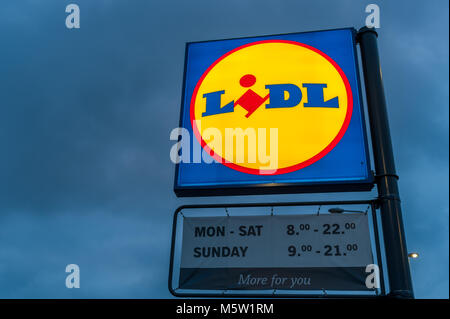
x: 297, y: 252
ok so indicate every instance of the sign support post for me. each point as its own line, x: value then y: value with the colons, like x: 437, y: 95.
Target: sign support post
x: 391, y: 216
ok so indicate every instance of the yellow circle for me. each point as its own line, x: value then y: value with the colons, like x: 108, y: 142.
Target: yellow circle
x: 303, y: 132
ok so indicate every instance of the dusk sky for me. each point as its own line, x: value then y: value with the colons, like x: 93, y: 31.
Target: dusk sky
x: 85, y: 118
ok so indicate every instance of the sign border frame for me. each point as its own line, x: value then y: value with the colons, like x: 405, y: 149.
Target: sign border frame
x: 279, y: 188
x: 373, y: 205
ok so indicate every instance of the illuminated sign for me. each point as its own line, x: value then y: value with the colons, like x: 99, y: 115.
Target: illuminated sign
x: 270, y: 114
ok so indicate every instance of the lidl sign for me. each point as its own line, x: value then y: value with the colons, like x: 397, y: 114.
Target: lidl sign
x: 272, y: 114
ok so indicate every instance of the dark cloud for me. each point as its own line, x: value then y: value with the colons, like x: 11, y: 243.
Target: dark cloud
x: 86, y: 114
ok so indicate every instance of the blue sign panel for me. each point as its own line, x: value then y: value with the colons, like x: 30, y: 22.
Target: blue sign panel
x: 272, y: 114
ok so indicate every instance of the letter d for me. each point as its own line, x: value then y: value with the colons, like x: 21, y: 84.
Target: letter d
x: 277, y: 99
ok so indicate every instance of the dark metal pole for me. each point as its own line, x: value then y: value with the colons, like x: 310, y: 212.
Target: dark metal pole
x: 391, y: 215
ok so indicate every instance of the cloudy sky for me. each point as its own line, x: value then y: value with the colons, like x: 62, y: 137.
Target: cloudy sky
x: 85, y: 117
